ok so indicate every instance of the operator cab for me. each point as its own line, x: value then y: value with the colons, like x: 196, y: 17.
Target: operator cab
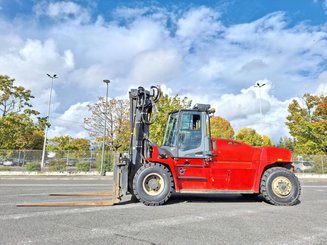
x: 187, y: 134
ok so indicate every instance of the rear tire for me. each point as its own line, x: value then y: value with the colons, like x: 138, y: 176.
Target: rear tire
x: 279, y: 186
x: 153, y: 184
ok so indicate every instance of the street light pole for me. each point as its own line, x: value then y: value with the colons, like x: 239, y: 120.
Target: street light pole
x: 105, y: 128
x: 48, y: 120
x: 258, y: 85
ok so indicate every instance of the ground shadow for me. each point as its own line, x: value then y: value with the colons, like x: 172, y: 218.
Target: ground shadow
x: 177, y: 198
x: 209, y: 198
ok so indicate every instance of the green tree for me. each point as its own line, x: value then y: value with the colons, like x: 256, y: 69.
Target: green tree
x: 80, y: 144
x: 68, y: 146
x: 59, y: 143
x: 308, y: 124
x: 118, y: 124
x: 66, y: 143
x: 249, y: 136
x: 221, y: 128
x: 19, y: 127
x: 19, y: 131
x: 266, y: 141
x: 287, y: 143
x: 13, y: 98
x: 165, y: 105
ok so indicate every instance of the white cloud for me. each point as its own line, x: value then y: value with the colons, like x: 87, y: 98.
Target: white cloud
x: 156, y: 65
x: 196, y: 55
x: 166, y: 90
x: 71, y: 122
x: 62, y: 10
x: 322, y: 81
x: 29, y: 63
x: 243, y: 110
x: 322, y: 89
x: 198, y: 22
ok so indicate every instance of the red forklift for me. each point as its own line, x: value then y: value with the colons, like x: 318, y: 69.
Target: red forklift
x: 191, y: 161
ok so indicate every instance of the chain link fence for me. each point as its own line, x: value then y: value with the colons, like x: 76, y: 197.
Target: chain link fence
x: 21, y: 160
x: 310, y: 164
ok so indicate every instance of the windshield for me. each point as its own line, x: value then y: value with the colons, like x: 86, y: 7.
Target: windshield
x: 171, y: 130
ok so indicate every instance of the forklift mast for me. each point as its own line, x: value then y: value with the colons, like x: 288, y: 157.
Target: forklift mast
x: 142, y: 107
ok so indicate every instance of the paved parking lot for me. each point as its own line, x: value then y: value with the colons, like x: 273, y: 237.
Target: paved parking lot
x: 186, y: 219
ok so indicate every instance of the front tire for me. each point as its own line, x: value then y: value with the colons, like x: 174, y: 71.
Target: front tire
x: 279, y: 186
x: 153, y: 184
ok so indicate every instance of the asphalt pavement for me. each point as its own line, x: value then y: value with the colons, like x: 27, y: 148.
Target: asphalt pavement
x: 185, y: 219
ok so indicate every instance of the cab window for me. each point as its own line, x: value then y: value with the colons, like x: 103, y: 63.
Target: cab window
x: 190, y: 131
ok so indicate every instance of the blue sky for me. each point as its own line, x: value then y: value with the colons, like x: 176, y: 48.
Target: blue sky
x: 234, y: 11
x: 210, y: 51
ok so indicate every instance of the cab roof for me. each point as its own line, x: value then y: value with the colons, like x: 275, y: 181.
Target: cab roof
x: 196, y: 107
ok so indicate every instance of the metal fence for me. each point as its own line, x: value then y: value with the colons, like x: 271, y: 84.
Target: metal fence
x: 72, y: 160
x: 310, y: 164
x: 19, y: 159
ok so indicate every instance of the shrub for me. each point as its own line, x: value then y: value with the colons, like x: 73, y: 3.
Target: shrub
x: 83, y: 166
x: 33, y: 166
x: 57, y: 165
x: 107, y: 164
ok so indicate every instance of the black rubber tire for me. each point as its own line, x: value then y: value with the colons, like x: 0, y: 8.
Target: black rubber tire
x: 268, y: 193
x: 164, y: 195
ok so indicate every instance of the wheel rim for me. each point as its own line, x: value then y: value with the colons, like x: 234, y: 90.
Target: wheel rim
x: 153, y: 184
x: 282, y: 186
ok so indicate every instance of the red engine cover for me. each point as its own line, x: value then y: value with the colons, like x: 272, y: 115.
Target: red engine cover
x: 234, y: 166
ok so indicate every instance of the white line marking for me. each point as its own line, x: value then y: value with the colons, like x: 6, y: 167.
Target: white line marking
x: 66, y: 211
x: 55, y: 188
x: 7, y: 204
x: 314, y: 186
x: 46, y: 185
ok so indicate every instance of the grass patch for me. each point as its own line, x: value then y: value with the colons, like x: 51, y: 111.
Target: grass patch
x: 83, y: 166
x: 5, y: 168
x: 33, y: 166
x: 57, y: 165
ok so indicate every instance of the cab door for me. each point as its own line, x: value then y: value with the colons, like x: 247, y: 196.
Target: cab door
x: 192, y: 146
x: 190, y: 143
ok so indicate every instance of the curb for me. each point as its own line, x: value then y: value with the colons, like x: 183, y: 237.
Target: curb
x: 311, y: 176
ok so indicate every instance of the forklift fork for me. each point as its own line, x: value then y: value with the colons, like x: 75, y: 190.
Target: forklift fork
x: 120, y: 186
